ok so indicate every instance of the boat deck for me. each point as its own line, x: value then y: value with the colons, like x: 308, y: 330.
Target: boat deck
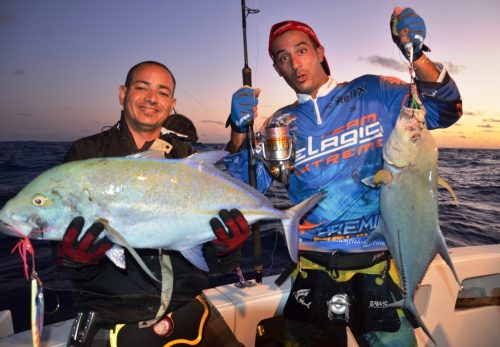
x: 436, y: 300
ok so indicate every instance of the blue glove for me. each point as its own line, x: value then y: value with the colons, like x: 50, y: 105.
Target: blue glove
x: 242, y: 104
x: 409, y: 19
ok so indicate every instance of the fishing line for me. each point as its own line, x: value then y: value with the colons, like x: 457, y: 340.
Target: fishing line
x: 73, y: 290
x: 256, y: 49
x: 82, y: 291
x: 277, y: 223
x: 58, y: 305
x: 196, y: 100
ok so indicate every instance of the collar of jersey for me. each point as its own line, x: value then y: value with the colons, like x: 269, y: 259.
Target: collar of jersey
x: 322, y: 91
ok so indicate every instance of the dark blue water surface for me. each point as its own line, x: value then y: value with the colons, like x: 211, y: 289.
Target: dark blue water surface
x: 473, y: 174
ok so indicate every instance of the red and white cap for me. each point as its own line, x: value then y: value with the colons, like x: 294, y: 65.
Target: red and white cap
x: 282, y: 27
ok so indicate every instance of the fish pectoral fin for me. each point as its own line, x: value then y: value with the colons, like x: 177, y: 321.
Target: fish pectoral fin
x: 195, y: 256
x: 442, y: 182
x: 382, y: 177
x: 368, y: 181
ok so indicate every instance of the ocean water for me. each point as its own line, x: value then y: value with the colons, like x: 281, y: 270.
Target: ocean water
x: 473, y: 174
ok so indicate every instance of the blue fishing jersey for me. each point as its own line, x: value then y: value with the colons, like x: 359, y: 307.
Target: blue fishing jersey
x: 340, y: 136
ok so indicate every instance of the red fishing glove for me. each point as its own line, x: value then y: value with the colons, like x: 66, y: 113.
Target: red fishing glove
x: 232, y: 234
x: 74, y: 253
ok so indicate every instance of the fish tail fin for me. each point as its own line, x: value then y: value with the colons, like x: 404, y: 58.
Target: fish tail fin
x: 410, y: 307
x: 376, y: 234
x: 291, y: 225
x: 443, y: 252
x: 396, y: 304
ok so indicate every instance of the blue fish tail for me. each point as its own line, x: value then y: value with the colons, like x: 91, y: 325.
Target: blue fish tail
x: 397, y: 304
x: 443, y: 251
x: 291, y: 225
x: 376, y: 234
x: 410, y: 306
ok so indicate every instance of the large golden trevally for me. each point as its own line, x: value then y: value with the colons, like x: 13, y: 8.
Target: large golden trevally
x: 408, y: 204
x: 143, y: 201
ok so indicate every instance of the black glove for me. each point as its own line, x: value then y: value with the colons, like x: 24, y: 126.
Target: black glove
x: 74, y: 253
x: 232, y: 234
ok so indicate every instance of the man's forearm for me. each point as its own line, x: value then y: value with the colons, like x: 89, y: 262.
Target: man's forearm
x: 426, y: 70
x: 236, y: 141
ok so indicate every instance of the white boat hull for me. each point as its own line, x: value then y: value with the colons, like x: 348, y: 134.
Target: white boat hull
x: 243, y: 309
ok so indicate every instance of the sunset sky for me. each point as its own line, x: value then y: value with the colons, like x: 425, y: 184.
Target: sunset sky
x: 62, y: 61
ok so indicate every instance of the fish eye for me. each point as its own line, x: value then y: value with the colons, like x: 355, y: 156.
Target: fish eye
x: 39, y: 200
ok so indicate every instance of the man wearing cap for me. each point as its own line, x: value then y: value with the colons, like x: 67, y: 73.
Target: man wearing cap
x: 340, y: 129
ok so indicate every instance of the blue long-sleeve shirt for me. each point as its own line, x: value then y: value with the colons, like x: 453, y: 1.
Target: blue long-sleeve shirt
x: 340, y: 136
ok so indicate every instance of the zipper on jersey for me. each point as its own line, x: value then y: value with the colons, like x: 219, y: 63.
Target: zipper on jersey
x: 316, y: 111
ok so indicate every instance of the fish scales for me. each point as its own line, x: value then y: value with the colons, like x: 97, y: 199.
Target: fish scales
x: 150, y: 203
x: 408, y: 204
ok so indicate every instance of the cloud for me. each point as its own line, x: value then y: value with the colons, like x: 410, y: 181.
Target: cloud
x: 5, y: 19
x: 18, y: 72
x: 397, y: 65
x: 475, y: 113
x: 453, y: 68
x: 488, y: 126
x: 25, y: 114
x: 492, y: 120
x: 213, y: 121
x: 385, y: 62
x: 470, y: 113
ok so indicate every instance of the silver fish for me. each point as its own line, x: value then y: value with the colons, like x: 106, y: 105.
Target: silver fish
x: 408, y: 204
x: 144, y: 202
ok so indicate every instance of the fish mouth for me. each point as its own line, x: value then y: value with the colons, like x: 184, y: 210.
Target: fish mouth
x: 12, y: 227
x: 7, y: 229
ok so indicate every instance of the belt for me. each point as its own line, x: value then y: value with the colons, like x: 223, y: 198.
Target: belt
x: 337, y: 261
x: 345, y: 261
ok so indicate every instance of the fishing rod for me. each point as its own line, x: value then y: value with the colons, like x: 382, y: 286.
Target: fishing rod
x: 252, y: 164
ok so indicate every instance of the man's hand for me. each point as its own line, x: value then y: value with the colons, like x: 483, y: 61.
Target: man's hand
x: 243, y: 108
x: 74, y: 253
x: 407, y: 30
x: 231, y: 233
